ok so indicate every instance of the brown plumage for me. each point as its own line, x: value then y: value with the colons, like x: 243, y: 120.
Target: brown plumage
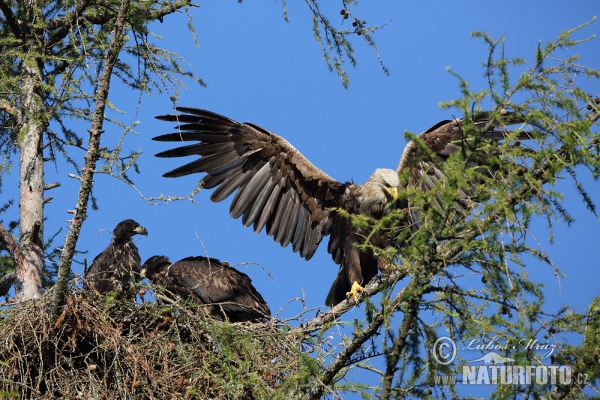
x: 208, y: 281
x: 441, y: 141
x: 119, y: 264
x: 278, y: 188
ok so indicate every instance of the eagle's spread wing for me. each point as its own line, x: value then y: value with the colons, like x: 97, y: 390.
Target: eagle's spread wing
x: 424, y: 157
x: 277, y: 186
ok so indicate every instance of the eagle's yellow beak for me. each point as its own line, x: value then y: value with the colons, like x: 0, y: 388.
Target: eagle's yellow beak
x: 393, y: 192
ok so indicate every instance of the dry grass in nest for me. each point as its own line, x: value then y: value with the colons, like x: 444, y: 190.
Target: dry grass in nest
x: 106, y: 350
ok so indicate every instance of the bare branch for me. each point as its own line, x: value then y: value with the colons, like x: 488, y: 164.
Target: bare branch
x: 51, y: 185
x: 9, y: 242
x: 6, y: 282
x: 13, y: 249
x: 91, y: 157
x: 338, y: 310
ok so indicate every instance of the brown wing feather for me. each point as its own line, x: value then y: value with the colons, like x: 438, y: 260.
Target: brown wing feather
x: 442, y: 140
x: 276, y: 185
x: 440, y: 136
x: 114, y: 269
x: 216, y: 283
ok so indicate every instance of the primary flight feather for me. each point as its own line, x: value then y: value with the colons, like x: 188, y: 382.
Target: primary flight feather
x: 278, y: 188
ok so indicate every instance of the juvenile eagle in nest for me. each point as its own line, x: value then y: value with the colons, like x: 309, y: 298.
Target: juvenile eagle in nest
x: 279, y: 188
x: 119, y: 264
x: 228, y: 291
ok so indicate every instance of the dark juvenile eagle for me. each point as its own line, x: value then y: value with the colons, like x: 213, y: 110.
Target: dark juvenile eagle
x: 208, y: 281
x: 279, y: 188
x: 119, y: 264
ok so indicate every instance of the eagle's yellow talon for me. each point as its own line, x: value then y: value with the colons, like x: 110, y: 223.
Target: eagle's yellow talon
x: 354, y: 290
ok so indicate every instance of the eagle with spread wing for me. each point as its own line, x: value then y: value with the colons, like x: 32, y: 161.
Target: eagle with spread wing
x: 278, y: 188
x: 227, y: 292
x: 119, y: 264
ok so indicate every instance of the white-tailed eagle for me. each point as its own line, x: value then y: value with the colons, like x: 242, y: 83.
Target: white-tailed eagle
x: 278, y: 188
x: 119, y: 265
x: 228, y: 292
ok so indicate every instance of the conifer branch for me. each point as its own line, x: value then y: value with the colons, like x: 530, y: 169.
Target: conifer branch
x: 91, y: 157
x: 10, y: 19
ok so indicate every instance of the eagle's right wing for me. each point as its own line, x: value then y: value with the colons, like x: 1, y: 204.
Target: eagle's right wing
x: 276, y: 185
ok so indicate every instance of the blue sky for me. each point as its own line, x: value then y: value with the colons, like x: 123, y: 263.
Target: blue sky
x: 263, y: 70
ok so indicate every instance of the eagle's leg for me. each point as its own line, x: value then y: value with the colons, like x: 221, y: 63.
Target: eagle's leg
x: 353, y: 263
x: 354, y: 290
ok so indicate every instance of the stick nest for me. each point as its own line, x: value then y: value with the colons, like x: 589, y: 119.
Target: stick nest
x: 106, y: 349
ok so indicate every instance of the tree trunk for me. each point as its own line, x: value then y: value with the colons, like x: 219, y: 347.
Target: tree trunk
x: 31, y: 201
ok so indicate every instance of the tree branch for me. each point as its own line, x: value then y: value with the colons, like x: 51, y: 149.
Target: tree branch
x: 10, y: 18
x: 370, y: 290
x: 416, y: 290
x: 399, y: 344
x: 6, y: 106
x: 359, y: 339
x: 6, y: 282
x: 85, y: 188
x: 169, y: 9
x: 448, y: 252
x: 13, y: 249
x: 9, y: 242
x: 594, y: 114
x: 62, y: 25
